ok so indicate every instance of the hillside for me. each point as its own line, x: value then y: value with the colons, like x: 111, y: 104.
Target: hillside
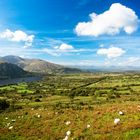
x: 8, y: 70
x: 39, y: 66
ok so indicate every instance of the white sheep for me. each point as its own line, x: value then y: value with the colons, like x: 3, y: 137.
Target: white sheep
x: 13, y: 120
x: 66, y: 138
x: 121, y: 113
x: 116, y: 121
x: 88, y: 126
x: 11, y: 127
x: 68, y: 133
x: 68, y: 122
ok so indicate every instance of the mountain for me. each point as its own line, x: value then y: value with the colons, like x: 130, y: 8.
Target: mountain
x: 111, y: 68
x: 8, y: 70
x: 38, y: 66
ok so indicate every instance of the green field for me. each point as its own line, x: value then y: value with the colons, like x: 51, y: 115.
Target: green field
x: 86, y: 105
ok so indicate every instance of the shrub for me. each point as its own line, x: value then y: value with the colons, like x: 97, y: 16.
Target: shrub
x: 4, y: 104
x: 37, y: 100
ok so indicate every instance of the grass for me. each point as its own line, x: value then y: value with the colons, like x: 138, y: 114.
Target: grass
x: 56, y: 108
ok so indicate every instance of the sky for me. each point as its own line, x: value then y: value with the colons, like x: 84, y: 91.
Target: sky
x: 72, y: 32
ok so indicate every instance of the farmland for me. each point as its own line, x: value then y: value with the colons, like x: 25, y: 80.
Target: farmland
x: 78, y: 106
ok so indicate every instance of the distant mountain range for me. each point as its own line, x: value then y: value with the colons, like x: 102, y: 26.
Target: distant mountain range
x: 38, y: 66
x: 15, y: 66
x: 112, y: 68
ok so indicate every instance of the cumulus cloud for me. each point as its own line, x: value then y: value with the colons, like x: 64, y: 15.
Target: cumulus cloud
x: 111, y: 52
x: 18, y: 36
x: 118, y: 18
x: 64, y: 47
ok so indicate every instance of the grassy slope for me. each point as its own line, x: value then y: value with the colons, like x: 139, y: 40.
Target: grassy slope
x: 56, y: 110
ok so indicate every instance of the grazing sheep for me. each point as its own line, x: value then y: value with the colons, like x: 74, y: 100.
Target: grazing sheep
x: 11, y: 127
x: 6, y: 118
x: 68, y: 133
x: 116, y: 121
x: 121, y: 113
x: 88, y: 126
x: 13, y: 120
x: 66, y: 138
x: 68, y: 122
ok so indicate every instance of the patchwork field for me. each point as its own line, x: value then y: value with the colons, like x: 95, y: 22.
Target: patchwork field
x: 99, y: 106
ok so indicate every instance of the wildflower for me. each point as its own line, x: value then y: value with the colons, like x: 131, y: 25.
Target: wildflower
x: 117, y: 120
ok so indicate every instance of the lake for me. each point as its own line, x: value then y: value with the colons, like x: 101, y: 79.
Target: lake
x: 19, y: 80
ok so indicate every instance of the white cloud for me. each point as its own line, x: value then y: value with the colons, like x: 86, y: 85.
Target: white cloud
x: 64, y: 47
x: 111, y: 52
x: 131, y: 61
x: 18, y: 36
x: 118, y: 18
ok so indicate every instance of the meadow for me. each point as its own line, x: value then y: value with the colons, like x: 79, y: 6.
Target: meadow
x: 92, y: 106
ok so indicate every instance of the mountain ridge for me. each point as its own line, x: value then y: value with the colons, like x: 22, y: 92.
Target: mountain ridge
x: 8, y: 70
x: 38, y: 65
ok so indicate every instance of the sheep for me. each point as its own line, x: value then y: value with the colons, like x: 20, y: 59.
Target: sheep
x: 88, y: 126
x: 6, y: 118
x: 116, y: 121
x: 11, y: 127
x: 13, y: 120
x: 68, y: 122
x: 66, y: 138
x: 68, y: 133
x: 121, y: 113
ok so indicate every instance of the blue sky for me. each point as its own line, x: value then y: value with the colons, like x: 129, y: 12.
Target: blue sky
x: 72, y: 32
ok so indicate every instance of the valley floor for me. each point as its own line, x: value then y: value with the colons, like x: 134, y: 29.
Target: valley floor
x: 78, y: 107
